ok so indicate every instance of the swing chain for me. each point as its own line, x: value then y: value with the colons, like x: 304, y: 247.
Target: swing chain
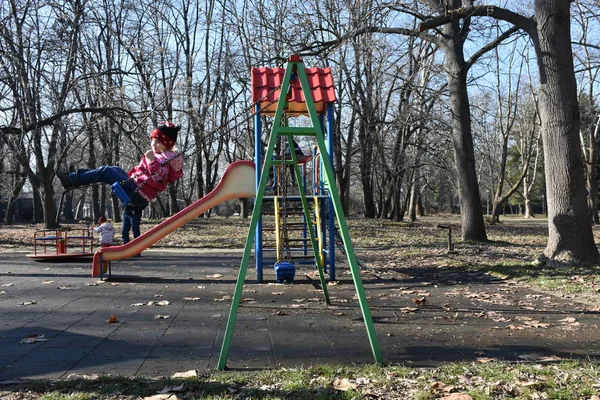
x: 284, y: 201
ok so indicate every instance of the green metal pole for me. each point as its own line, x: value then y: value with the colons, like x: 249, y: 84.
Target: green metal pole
x: 239, y: 286
x: 341, y: 219
x: 308, y: 220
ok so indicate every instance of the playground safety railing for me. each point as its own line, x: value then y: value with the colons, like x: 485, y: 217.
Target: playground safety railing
x: 60, y: 240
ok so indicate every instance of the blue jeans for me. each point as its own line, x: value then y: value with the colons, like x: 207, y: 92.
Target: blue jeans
x: 110, y: 175
x: 105, y: 174
x: 130, y: 222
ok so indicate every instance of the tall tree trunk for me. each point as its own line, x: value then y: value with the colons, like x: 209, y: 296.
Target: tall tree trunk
x: 37, y: 206
x: 591, y: 176
x: 244, y: 208
x: 527, y: 199
x: 473, y: 227
x: 570, y: 238
x: 412, y: 206
x: 19, y: 182
x: 48, y: 205
x: 366, y: 165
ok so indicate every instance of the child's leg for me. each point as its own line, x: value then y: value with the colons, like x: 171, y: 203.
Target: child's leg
x: 105, y: 174
x: 125, y: 228
x: 105, y: 263
x: 135, y: 225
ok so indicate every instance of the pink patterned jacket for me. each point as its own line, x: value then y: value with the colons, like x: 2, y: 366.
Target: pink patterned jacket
x: 152, y: 177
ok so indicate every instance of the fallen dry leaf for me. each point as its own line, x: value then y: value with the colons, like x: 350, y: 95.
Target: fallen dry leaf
x: 170, y: 389
x: 408, y: 310
x: 33, y: 339
x: 186, y: 374
x: 568, y: 320
x: 442, y: 387
x: 456, y: 396
x: 536, y: 324
x: 90, y: 377
x: 420, y: 301
x: 343, y: 384
x: 28, y: 303
x: 300, y: 300
x: 112, y: 319
x: 538, y: 357
x: 162, y: 397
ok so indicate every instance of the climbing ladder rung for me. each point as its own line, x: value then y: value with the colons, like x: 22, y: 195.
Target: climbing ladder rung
x: 296, y: 130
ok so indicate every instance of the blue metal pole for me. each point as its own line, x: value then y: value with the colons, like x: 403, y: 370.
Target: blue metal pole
x: 258, y: 155
x: 331, y: 210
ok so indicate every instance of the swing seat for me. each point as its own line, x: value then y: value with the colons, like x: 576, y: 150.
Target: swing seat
x: 284, y: 271
x: 118, y: 190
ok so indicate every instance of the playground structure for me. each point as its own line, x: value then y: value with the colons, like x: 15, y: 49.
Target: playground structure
x: 289, y: 93
x: 60, y: 244
x: 290, y: 240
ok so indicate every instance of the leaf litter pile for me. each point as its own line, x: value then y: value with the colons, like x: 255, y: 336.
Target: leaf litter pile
x: 401, y: 253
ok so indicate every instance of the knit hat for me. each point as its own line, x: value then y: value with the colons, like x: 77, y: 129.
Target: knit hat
x: 166, y: 133
x: 101, y: 220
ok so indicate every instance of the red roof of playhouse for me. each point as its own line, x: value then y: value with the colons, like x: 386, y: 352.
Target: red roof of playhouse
x: 265, y: 90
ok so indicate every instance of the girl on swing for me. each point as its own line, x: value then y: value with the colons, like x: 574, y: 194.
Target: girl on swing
x: 159, y: 166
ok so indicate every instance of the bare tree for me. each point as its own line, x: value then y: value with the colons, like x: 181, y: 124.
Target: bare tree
x: 451, y: 41
x: 570, y: 238
x: 507, y: 115
x: 39, y: 83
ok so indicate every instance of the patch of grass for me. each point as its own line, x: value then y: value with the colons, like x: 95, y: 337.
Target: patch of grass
x: 565, y: 380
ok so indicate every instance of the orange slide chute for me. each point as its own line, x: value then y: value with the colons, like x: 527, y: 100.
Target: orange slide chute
x: 238, y: 182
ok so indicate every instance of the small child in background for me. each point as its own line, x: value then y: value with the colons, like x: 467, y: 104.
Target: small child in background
x: 107, y: 234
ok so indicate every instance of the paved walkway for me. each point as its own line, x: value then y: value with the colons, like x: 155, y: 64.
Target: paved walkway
x: 172, y: 307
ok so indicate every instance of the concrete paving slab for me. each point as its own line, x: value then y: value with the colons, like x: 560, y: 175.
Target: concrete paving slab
x: 466, y: 316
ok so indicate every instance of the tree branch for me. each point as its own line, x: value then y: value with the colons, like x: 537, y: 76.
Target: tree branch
x: 6, y: 130
x: 525, y: 23
x: 491, y: 45
x: 317, y: 48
